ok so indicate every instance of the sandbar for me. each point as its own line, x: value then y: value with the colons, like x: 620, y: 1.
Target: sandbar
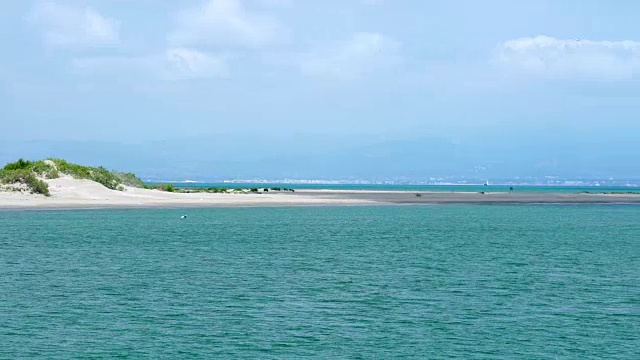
x: 69, y: 193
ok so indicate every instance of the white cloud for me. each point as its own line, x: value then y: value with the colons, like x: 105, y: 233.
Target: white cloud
x: 224, y: 22
x: 361, y: 53
x: 554, y: 58
x: 174, y: 64
x: 69, y: 26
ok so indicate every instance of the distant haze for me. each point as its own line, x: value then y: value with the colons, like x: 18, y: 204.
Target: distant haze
x: 226, y: 157
x: 372, y: 90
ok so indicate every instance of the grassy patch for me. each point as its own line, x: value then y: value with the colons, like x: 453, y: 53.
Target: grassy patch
x: 129, y: 179
x: 110, y: 179
x: 30, y: 173
x: 21, y: 164
x: 27, y: 177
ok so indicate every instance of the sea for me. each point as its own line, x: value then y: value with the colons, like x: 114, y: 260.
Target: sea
x: 352, y: 282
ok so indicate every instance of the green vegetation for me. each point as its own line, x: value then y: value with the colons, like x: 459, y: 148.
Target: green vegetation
x: 41, y: 168
x: 129, y: 179
x: 53, y: 174
x: 161, y: 187
x: 217, y: 190
x: 214, y: 190
x: 31, y: 173
x: 21, y: 164
x: 110, y: 179
x: 25, y: 177
x: 25, y: 172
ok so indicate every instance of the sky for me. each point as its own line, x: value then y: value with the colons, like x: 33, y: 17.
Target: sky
x: 555, y: 82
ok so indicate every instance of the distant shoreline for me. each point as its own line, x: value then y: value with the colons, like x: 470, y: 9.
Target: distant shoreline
x: 422, y: 187
x: 502, y: 183
x: 147, y: 199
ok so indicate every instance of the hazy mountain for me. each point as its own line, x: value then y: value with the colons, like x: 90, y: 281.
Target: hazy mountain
x: 324, y: 157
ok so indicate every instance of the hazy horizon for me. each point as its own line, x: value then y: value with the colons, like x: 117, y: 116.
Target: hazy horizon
x: 408, y: 160
x: 366, y: 89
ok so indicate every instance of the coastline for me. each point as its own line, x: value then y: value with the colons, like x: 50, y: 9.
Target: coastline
x: 85, y: 195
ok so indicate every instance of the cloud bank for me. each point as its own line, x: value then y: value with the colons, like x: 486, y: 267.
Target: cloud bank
x: 545, y: 56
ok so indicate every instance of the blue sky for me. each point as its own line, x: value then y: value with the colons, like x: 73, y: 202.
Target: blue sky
x: 460, y: 70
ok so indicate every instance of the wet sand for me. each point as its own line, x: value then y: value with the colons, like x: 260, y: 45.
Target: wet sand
x: 402, y: 197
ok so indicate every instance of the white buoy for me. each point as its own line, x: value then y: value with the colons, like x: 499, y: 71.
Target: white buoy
x: 183, y: 217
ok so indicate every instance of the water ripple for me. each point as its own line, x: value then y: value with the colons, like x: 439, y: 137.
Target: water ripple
x: 362, y: 282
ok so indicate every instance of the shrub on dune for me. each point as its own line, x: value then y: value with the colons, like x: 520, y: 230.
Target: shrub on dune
x: 30, y: 174
x: 26, y: 177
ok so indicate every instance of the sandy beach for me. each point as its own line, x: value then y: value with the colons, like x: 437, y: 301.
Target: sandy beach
x: 69, y: 193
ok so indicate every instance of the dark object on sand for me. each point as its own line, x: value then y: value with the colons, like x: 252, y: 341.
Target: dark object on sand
x: 418, y: 195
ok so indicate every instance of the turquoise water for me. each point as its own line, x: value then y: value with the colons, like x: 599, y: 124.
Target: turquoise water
x: 442, y: 188
x: 470, y: 282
